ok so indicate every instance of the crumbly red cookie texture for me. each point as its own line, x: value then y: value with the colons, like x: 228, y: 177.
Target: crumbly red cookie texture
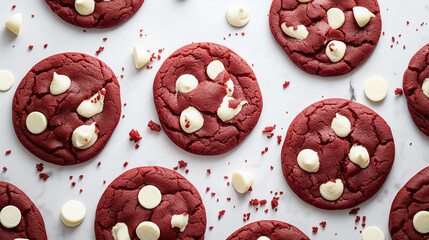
x: 414, y: 76
x: 216, y: 136
x: 311, y: 129
x: 274, y: 230
x: 31, y: 225
x: 119, y: 203
x: 88, y: 76
x: 309, y: 53
x: 106, y: 13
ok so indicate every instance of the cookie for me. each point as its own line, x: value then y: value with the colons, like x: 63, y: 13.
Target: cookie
x: 326, y: 38
x: 207, y: 98
x: 337, y: 154
x: 29, y: 223
x: 416, y: 89
x: 150, y: 199
x: 270, y: 229
x: 104, y: 14
x: 66, y: 108
x: 408, y: 207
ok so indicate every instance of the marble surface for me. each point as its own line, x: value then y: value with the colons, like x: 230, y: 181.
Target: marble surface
x: 171, y: 24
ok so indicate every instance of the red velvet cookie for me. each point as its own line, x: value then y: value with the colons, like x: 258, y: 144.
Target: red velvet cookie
x: 120, y: 205
x: 310, y: 36
x: 207, y: 98
x: 106, y: 13
x: 274, y: 230
x: 67, y: 125
x: 31, y: 225
x: 411, y: 199
x: 413, y: 84
x: 337, y: 154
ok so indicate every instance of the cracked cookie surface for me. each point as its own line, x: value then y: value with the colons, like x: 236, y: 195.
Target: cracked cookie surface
x: 309, y: 53
x: 88, y: 76
x: 119, y: 203
x: 31, y: 225
x: 216, y: 136
x: 311, y: 129
x: 274, y: 230
x: 106, y: 13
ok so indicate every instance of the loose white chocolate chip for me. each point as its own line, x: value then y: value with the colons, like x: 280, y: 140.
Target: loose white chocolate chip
x: 191, y: 120
x: 263, y: 237
x: 359, y: 155
x: 335, y: 17
x: 36, y: 122
x: 120, y: 232
x: 308, y: 160
x: 238, y: 14
x: 214, y: 68
x: 10, y: 216
x: 148, y: 231
x: 362, y: 16
x: 341, y: 125
x: 149, y: 197
x: 373, y: 233
x: 331, y: 191
x: 425, y: 87
x: 186, y: 83
x: 375, y: 89
x: 84, y: 7
x: 300, y: 32
x: 141, y: 56
x: 93, y: 106
x: 225, y: 113
x: 59, y: 84
x: 6, y: 80
x: 14, y: 22
x: 84, y: 136
x: 335, y: 50
x: 180, y: 221
x: 72, y: 213
x: 421, y: 222
x: 241, y: 181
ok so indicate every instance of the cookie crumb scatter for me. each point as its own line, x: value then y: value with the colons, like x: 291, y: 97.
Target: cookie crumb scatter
x: 71, y: 177
x: 99, y: 163
x: 154, y: 126
x: 269, y: 129
x: 4, y: 169
x: 32, y: 15
x: 398, y: 91
x: 39, y: 167
x: 315, y: 229
x: 182, y: 164
x: 221, y: 213
x: 354, y: 211
x: 264, y: 151
x: 187, y: 171
x: 211, y: 227
x: 125, y: 164
x: 322, y: 224
x: 104, y: 181
x: 271, y: 167
x: 209, y: 171
x: 105, y: 39
x: 357, y: 219
x: 100, y: 49
x: 13, y: 7
x: 213, y: 194
x: 8, y: 152
x: 45, y: 46
x: 43, y: 176
x: 175, y: 168
x: 137, y: 146
x: 279, y: 139
x: 80, y: 191
x: 207, y: 189
x: 275, y: 202
x: 135, y: 136
x: 80, y: 177
x: 30, y: 47
x: 286, y: 84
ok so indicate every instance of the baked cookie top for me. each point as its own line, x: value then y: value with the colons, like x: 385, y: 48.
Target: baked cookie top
x: 268, y: 230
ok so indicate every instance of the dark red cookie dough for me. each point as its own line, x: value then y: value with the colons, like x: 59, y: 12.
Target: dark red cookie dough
x: 119, y: 203
x: 31, y: 225
x: 216, y: 136
x: 88, y: 76
x: 411, y: 199
x: 309, y: 54
x: 311, y: 129
x: 106, y: 13
x: 274, y: 230
x: 418, y: 102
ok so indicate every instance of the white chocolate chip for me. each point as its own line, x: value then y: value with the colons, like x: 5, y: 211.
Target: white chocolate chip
x: 308, y: 160
x: 238, y: 14
x: 191, y: 120
x: 373, y: 233
x: 335, y: 50
x: 72, y: 213
x: 84, y: 136
x: 341, y: 125
x: 425, y: 87
x: 84, y: 7
x: 331, y: 191
x: 375, y: 89
x: 359, y: 155
x: 59, y: 84
x: 6, y: 80
x: 180, y: 221
x: 186, y: 83
x: 300, y: 32
x: 225, y: 113
x: 14, y: 22
x: 10, y: 216
x: 141, y: 56
x: 36, y: 122
x: 241, y: 181
x: 148, y: 231
x: 263, y: 237
x: 229, y: 88
x: 304, y: 1
x: 421, y: 222
x: 149, y: 197
x: 93, y: 106
x: 335, y: 17
x: 362, y: 16
x: 120, y: 232
x: 214, y: 68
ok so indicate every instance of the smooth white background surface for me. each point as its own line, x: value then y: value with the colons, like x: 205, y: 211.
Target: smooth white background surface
x: 170, y: 24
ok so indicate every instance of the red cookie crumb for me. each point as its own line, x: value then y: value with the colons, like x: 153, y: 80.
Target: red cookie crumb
x: 99, y: 51
x: 80, y: 177
x: 8, y: 152
x: 43, y: 176
x: 39, y: 167
x: 4, y: 169
x: 182, y: 164
x: 323, y: 224
x: 274, y: 202
x: 269, y: 129
x: 135, y: 136
x: 398, y: 91
x: 30, y: 47
x: 209, y: 171
x: 73, y: 184
x: 221, y: 213
x: 153, y: 126
x: 354, y: 211
x: 286, y: 84
x: 315, y: 229
x: 125, y: 164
